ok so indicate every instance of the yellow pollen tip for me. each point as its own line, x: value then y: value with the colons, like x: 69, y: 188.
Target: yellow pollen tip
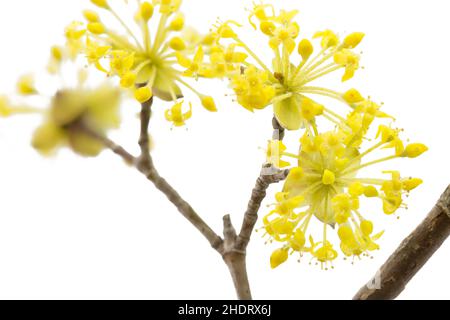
x: 328, y: 177
x: 411, y: 184
x: 25, y: 86
x: 353, y: 40
x: 143, y: 94
x: 305, y: 49
x: 146, y: 11
x: 353, y: 96
x: 267, y: 28
x: 414, y: 150
x: 209, y: 104
x: 96, y: 27
x: 278, y: 257
x: 101, y: 3
x: 177, y: 44
x: 57, y: 53
x: 177, y: 23
x: 91, y: 16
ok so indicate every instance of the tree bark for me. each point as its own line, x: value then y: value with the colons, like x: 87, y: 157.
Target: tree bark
x: 411, y: 255
x: 236, y: 262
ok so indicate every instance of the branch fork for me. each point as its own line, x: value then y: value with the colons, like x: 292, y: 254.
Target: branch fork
x: 390, y: 280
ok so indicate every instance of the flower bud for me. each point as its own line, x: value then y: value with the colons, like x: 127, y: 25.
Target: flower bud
x: 278, y: 257
x: 143, y: 94
x: 101, y: 3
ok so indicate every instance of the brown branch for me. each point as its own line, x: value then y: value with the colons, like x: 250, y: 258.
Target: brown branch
x: 411, y: 255
x: 183, y: 206
x: 235, y: 260
x: 258, y: 195
x: 146, y: 166
x: 278, y: 130
x: 235, y: 248
x: 114, y: 147
x: 269, y: 175
x: 144, y: 140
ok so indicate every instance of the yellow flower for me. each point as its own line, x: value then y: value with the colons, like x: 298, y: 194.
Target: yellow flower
x: 252, y: 89
x: 74, y: 38
x: 327, y: 186
x: 147, y: 58
x: 193, y: 66
x: 94, y: 53
x: 275, y: 151
x: 176, y: 115
x: 285, y: 81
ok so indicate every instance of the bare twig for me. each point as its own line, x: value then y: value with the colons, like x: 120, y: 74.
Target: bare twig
x: 235, y: 260
x: 144, y: 141
x: 233, y: 247
x: 183, y: 206
x: 258, y: 195
x: 411, y: 255
x: 114, y: 147
x: 146, y: 166
x: 235, y: 252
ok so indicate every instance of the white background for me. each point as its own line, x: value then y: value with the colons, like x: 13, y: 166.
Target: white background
x: 76, y: 228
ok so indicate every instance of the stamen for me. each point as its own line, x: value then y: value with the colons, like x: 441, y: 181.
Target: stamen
x: 316, y: 76
x: 254, y: 56
x: 128, y: 30
x: 369, y: 164
x: 161, y: 31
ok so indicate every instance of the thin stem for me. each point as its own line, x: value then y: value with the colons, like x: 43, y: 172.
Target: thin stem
x: 144, y: 140
x: 269, y: 175
x: 148, y: 169
x: 124, y: 25
x: 369, y: 164
x: 258, y: 60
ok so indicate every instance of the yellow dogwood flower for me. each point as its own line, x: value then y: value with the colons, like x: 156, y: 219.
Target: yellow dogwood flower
x: 176, y: 115
x: 146, y: 62
x: 286, y: 81
x: 327, y: 185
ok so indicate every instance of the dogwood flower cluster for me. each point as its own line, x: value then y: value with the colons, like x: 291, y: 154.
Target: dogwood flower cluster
x: 328, y: 184
x: 145, y: 61
x: 286, y: 80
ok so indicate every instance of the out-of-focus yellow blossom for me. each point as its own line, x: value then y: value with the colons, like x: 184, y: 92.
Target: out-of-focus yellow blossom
x: 70, y: 108
x: 150, y: 58
x: 286, y: 80
x: 328, y: 185
x: 97, y: 109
